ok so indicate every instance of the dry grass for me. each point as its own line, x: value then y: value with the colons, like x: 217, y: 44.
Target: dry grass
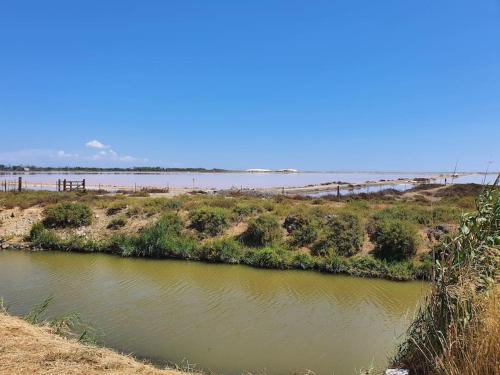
x: 29, y: 349
x: 477, y: 352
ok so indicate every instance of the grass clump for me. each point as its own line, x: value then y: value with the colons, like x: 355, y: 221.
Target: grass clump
x: 64, y: 215
x: 342, y: 234
x: 210, y: 220
x: 411, y: 213
x: 263, y: 231
x: 394, y: 240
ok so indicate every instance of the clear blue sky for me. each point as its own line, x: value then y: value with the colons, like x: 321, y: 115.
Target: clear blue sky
x: 317, y: 85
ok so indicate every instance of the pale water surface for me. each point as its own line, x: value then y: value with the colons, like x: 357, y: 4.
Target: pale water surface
x: 228, y: 319
x: 222, y: 180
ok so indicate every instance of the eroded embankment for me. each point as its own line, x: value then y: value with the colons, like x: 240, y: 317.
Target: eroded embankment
x: 29, y: 349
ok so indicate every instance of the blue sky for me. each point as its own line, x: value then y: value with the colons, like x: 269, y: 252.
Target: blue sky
x: 316, y: 85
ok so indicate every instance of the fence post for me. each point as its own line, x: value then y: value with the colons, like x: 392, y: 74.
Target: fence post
x: 338, y: 191
x: 64, y: 185
x: 20, y: 184
x: 83, y: 184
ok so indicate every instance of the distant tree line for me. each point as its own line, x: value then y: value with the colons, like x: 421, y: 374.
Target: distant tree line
x: 22, y: 168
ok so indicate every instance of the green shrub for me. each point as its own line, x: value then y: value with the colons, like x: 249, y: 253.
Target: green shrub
x: 43, y: 237
x: 225, y: 250
x: 342, y: 234
x: 67, y: 215
x: 263, y: 231
x: 302, y: 228
x: 117, y: 222
x: 395, y: 240
x: 210, y: 220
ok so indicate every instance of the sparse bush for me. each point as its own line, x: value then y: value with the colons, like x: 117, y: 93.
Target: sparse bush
x: 117, y: 222
x: 242, y: 210
x: 115, y: 207
x: 395, y: 240
x: 210, y: 220
x: 67, y: 215
x: 263, y: 231
x: 133, y: 211
x: 342, y: 234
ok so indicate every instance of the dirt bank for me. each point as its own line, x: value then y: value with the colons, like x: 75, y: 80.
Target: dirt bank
x: 28, y: 349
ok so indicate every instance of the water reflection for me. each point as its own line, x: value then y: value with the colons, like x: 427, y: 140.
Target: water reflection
x: 226, y: 318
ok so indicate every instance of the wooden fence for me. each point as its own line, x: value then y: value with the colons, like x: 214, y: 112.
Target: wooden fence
x: 70, y: 185
x: 12, y: 185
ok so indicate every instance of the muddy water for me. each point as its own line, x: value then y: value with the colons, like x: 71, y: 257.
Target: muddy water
x: 227, y: 319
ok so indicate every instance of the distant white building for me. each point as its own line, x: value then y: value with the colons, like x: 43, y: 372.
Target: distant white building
x: 288, y: 170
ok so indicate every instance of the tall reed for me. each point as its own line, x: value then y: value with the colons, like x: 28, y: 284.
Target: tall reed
x: 456, y: 331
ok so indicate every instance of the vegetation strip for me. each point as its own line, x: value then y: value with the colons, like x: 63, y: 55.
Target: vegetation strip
x: 385, y: 234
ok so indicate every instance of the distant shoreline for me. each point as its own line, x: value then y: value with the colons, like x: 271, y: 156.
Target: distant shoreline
x: 80, y: 170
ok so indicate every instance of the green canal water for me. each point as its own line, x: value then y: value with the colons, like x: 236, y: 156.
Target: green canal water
x: 224, y: 318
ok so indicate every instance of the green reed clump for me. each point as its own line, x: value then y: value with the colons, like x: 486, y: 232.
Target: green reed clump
x: 222, y: 250
x: 64, y: 215
x: 164, y: 239
x: 268, y: 257
x: 210, y: 220
x: 263, y: 231
x: 303, y: 261
x: 452, y: 333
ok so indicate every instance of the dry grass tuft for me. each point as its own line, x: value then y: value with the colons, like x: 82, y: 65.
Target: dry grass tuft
x: 29, y: 349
